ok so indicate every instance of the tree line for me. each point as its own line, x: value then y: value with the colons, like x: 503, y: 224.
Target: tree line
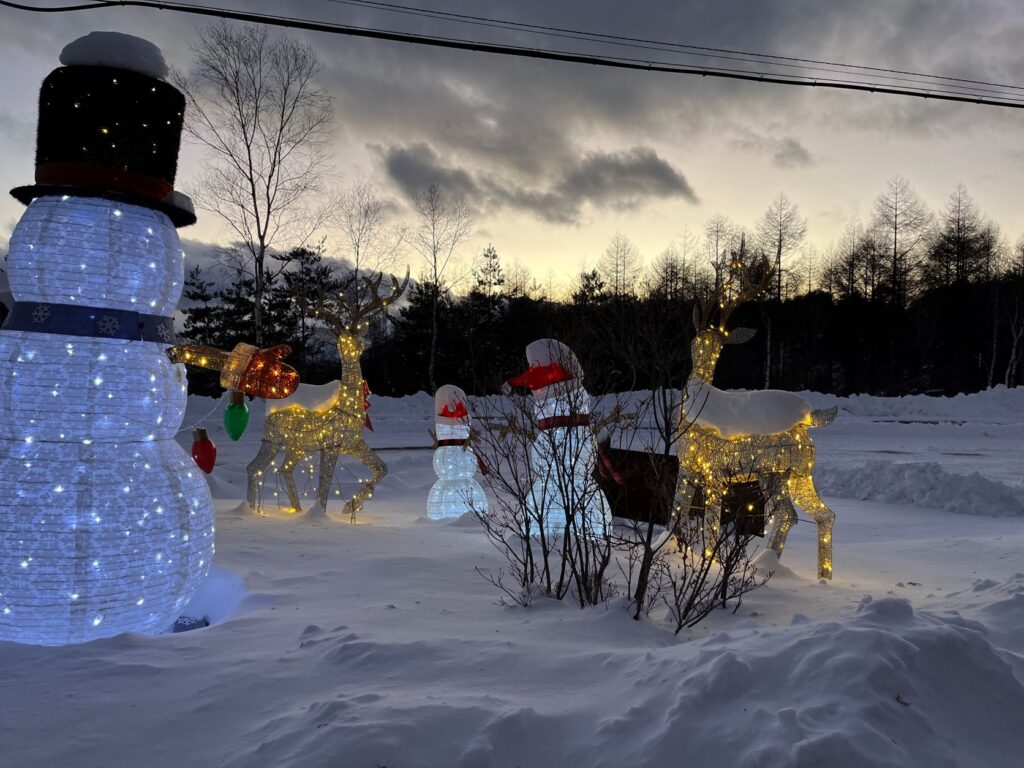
x: 908, y: 302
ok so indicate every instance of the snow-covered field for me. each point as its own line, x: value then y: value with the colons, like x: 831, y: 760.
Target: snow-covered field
x: 338, y: 645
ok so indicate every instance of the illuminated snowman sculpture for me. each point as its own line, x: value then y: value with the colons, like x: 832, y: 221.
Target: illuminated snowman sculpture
x: 106, y: 525
x: 565, y: 496
x: 456, y: 490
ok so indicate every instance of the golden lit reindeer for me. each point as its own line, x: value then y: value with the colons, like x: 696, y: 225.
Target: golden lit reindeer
x: 335, y: 429
x: 731, y: 437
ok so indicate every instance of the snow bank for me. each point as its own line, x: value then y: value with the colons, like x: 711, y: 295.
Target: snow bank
x: 115, y: 49
x: 997, y: 405
x: 924, y: 484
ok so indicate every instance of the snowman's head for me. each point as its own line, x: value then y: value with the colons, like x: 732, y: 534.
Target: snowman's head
x: 451, y: 406
x: 554, y: 370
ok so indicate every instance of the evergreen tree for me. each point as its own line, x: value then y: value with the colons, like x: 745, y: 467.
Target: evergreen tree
x: 305, y: 280
x: 591, y: 289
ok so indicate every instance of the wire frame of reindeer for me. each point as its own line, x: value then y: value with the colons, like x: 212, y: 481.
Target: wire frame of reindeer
x: 781, y: 461
x: 334, y: 430
x: 272, y: 492
x: 541, y: 519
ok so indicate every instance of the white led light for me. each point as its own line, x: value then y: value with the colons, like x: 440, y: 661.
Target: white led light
x: 96, y: 462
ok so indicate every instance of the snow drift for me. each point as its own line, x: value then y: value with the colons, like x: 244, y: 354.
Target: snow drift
x: 377, y: 644
x: 924, y: 484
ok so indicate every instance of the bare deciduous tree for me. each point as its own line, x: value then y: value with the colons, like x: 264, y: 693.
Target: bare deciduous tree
x: 253, y: 102
x: 539, y: 521
x: 667, y: 276
x: 372, y: 244
x: 901, y: 223
x: 620, y: 266
x: 719, y: 236
x: 442, y: 225
x: 779, y: 232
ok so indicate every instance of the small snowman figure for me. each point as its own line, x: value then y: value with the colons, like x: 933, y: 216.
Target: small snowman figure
x: 456, y: 490
x: 565, y: 495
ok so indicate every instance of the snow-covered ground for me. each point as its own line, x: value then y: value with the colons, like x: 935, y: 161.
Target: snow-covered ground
x: 339, y: 645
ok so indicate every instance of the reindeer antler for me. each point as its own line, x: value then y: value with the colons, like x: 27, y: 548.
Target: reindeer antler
x: 357, y: 310
x: 351, y: 309
x: 746, y: 281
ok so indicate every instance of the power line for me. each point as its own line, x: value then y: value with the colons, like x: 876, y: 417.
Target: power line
x: 639, y: 42
x: 942, y: 94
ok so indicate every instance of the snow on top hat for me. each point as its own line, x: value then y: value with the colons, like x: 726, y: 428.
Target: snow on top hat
x: 450, y: 405
x: 110, y: 126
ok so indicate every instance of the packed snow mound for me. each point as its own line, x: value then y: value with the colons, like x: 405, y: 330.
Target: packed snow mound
x: 761, y: 412
x: 115, y: 49
x: 924, y: 484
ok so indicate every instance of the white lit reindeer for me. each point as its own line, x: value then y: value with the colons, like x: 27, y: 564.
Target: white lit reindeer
x: 730, y: 437
x: 334, y: 429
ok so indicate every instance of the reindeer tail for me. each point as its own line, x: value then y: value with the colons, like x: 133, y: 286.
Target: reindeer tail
x: 824, y: 417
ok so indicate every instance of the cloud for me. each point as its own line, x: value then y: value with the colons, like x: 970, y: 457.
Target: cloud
x: 623, y: 179
x: 620, y: 180
x: 790, y: 153
x: 417, y: 166
x: 785, y: 152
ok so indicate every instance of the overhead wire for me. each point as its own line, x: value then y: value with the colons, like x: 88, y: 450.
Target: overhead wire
x: 660, y: 45
x: 620, y: 62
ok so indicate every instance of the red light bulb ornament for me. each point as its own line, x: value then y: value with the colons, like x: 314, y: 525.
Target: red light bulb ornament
x: 204, y: 452
x: 236, y: 416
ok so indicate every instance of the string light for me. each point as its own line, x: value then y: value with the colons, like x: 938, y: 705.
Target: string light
x: 782, y: 463
x: 236, y: 416
x: 335, y: 429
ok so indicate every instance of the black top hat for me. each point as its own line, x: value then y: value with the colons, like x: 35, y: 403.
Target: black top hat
x: 112, y: 132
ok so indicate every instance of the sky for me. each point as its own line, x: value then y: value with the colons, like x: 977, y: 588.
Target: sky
x: 556, y: 158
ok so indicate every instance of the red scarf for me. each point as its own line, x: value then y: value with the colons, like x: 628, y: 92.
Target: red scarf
x: 460, y: 411
x: 366, y: 406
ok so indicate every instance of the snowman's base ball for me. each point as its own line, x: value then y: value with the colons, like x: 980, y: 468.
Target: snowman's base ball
x: 99, y: 539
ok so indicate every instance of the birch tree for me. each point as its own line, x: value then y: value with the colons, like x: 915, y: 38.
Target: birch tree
x: 253, y: 102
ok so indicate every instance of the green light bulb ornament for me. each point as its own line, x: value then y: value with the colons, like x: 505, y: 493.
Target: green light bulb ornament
x: 236, y: 416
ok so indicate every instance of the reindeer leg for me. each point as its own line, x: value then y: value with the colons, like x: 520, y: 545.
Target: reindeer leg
x: 255, y: 471
x: 807, y: 497
x: 712, y: 521
x: 365, y: 456
x: 681, y: 519
x: 292, y: 457
x: 782, y: 515
x: 328, y: 461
